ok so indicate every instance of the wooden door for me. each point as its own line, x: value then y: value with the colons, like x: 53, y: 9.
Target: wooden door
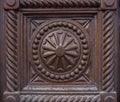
x: 59, y: 50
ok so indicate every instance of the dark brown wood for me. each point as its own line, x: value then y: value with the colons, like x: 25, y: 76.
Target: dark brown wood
x: 59, y: 51
x: 118, y: 78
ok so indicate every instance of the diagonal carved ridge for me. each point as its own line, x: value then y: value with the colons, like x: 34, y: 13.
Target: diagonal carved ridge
x: 108, y: 51
x: 59, y: 3
x: 11, y: 51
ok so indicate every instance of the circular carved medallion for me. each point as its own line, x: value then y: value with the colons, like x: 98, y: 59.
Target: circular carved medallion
x: 60, y: 50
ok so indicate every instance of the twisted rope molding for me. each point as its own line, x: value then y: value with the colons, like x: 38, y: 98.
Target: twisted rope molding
x: 11, y: 51
x: 108, y: 51
x: 59, y: 98
x: 59, y: 3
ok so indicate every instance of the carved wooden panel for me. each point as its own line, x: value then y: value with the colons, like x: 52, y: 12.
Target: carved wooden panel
x: 60, y: 51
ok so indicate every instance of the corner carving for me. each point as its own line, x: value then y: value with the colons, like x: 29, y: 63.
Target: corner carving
x: 11, y: 4
x: 108, y: 97
x: 109, y: 4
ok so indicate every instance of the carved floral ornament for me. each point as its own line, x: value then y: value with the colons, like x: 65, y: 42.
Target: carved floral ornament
x: 60, y: 50
x: 15, y: 4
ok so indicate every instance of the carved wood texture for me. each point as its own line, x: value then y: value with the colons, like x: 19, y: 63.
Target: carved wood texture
x: 108, y: 51
x: 60, y: 52
x: 59, y: 3
x: 12, y: 51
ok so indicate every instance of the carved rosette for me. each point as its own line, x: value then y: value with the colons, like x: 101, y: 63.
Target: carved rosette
x: 60, y: 50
